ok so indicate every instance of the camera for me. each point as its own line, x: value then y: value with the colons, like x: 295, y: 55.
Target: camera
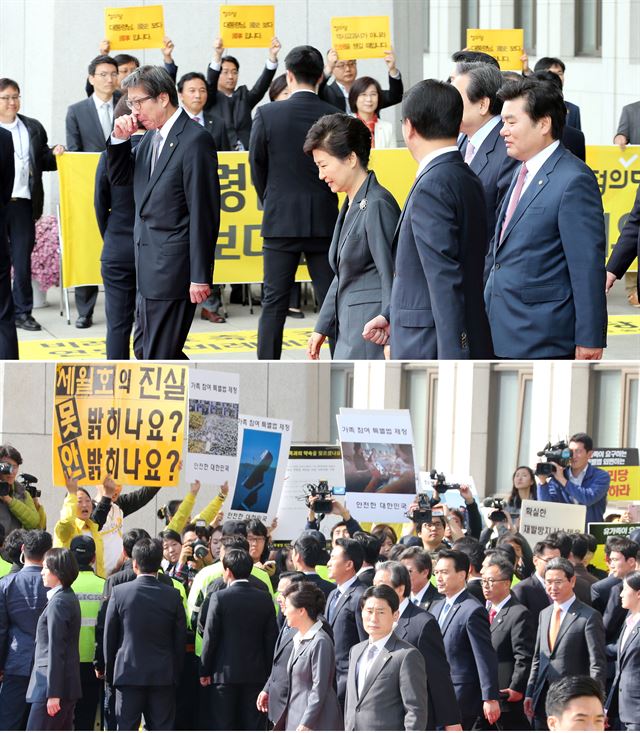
x: 6, y: 468
x: 497, y: 504
x: 28, y: 481
x: 5, y: 486
x: 439, y: 483
x: 323, y: 504
x: 557, y: 453
x: 200, y: 549
x: 423, y: 513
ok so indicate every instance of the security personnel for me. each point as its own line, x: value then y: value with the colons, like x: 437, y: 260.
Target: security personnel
x: 89, y: 589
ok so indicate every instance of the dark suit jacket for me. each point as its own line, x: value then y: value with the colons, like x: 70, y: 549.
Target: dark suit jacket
x: 115, y: 214
x: 145, y: 634
x: 579, y: 649
x: 474, y: 588
x: 513, y: 638
x: 216, y: 128
x: 624, y: 697
x: 326, y: 586
x: 627, y: 248
x: 332, y: 94
x: 361, y: 258
x: 277, y: 686
x: 562, y: 278
x: 573, y: 140
x: 366, y: 577
x: 472, y: 658
x: 8, y: 337
x: 177, y: 208
x: 235, y: 111
x: 419, y: 627
x: 240, y: 627
x: 429, y: 597
x: 533, y: 596
x: 40, y: 159
x: 56, y: 665
x: 573, y: 115
x: 84, y: 131
x: 346, y: 624
x: 436, y: 302
x: 601, y: 590
x: 297, y: 204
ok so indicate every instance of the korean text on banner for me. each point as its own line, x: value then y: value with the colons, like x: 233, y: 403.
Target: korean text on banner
x: 540, y: 518
x: 603, y: 531
x: 126, y: 420
x: 361, y: 37
x: 622, y: 465
x: 135, y: 27
x: 506, y: 46
x: 214, y: 401
x: 247, y: 26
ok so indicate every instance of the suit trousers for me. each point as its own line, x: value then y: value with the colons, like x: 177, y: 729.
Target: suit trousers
x: 14, y: 709
x: 39, y: 718
x: 280, y: 265
x: 86, y: 296
x: 22, y: 238
x: 162, y: 327
x: 157, y: 704
x: 87, y: 705
x: 119, y: 305
x: 233, y: 707
x: 109, y: 707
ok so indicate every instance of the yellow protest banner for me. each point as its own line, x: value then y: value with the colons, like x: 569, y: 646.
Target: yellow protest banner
x: 122, y: 419
x: 361, y: 37
x: 622, y: 466
x: 247, y: 26
x: 134, y: 27
x: 505, y: 45
x: 618, y: 175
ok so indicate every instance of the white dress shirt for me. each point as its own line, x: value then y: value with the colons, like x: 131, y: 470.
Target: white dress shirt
x: 432, y: 156
x: 20, y: 136
x: 534, y: 164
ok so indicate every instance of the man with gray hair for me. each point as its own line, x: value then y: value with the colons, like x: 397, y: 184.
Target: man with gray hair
x: 481, y: 145
x: 174, y: 172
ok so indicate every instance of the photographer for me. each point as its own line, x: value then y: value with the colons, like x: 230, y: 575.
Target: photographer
x: 578, y: 483
x: 17, y: 508
x: 189, y: 554
x: 350, y: 525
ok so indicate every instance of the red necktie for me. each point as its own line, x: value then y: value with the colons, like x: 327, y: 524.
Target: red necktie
x: 492, y: 614
x: 515, y: 197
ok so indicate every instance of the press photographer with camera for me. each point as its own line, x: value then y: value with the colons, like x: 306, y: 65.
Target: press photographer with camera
x: 17, y: 506
x: 567, y: 477
x: 321, y: 502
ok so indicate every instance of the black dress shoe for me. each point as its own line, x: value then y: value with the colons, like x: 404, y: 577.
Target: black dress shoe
x: 84, y: 322
x: 295, y: 313
x: 29, y: 323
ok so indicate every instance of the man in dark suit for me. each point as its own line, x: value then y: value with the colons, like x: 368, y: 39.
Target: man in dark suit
x: 175, y: 244
x: 419, y: 627
x: 144, y: 642
x: 627, y: 248
x: 299, y: 209
x: 532, y: 591
x: 513, y: 638
x: 32, y: 156
x: 306, y: 553
x: 556, y: 66
x: 570, y: 640
x: 231, y: 103
x: 436, y: 308
x: 554, y: 202
x: 240, y: 634
x: 88, y: 125
x: 420, y: 566
x: 343, y: 605
x: 8, y: 336
x: 371, y: 546
x: 467, y: 641
x: 475, y: 552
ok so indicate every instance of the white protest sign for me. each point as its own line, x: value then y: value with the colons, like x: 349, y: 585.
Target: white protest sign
x: 540, y: 518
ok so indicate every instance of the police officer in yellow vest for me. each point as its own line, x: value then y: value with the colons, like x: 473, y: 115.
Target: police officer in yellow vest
x: 89, y: 589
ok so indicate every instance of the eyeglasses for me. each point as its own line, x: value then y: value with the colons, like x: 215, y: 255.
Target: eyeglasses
x: 10, y: 98
x: 556, y: 583
x: 137, y: 103
x: 490, y: 582
x: 107, y: 74
x: 346, y: 65
x: 256, y: 539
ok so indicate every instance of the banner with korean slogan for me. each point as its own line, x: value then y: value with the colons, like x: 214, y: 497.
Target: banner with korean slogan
x: 247, y: 26
x: 122, y: 419
x: 540, y: 518
x: 361, y: 37
x: 505, y: 45
x: 263, y: 450
x: 134, y: 27
x: 622, y: 465
x: 380, y: 474
x: 602, y: 531
x: 212, y: 443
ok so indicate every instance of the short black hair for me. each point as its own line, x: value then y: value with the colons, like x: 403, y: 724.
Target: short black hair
x: 484, y: 81
x: 305, y: 63
x: 546, y: 544
x: 5, y: 83
x: 295, y: 576
x: 147, y: 553
x: 473, y: 550
x: 8, y: 451
x: 309, y: 550
x: 62, y: 563
x: 154, y: 80
x: 340, y: 135
x: 561, y: 563
x: 586, y: 440
x: 232, y: 526
x: 443, y: 522
x: 399, y: 575
x: 633, y: 580
x: 384, y: 593
x: 420, y: 557
x: 230, y: 59
x: 474, y: 57
x: 102, y: 59
x: 277, y: 86
x: 360, y: 86
x: 308, y: 596
x: 234, y: 542
x: 542, y: 99
x: 504, y: 566
x: 460, y: 560
x: 563, y: 691
x: 434, y: 109
x: 36, y: 543
x: 13, y: 545
x: 546, y: 62
x: 626, y: 547
x: 124, y: 58
x: 579, y: 546
x: 170, y: 534
x: 592, y: 542
x: 239, y: 562
x: 353, y: 551
x: 190, y: 77
x: 548, y: 76
x: 563, y: 540
x: 131, y: 537
x: 371, y: 545
x: 503, y: 550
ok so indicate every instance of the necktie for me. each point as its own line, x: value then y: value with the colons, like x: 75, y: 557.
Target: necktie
x: 554, y: 627
x: 469, y: 153
x: 366, y: 666
x: 492, y: 614
x: 197, y: 119
x: 105, y: 119
x: 515, y: 197
x: 332, y: 606
x: 630, y: 622
x: 443, y: 615
x: 157, y: 139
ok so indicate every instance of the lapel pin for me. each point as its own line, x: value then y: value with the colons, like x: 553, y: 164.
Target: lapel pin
x: 363, y: 204
x: 539, y: 183
x: 171, y: 145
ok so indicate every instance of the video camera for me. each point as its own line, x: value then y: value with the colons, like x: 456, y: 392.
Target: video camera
x: 323, y: 504
x: 497, y: 504
x: 200, y: 549
x: 557, y: 453
x: 28, y: 481
x: 5, y: 487
x: 424, y: 511
x: 439, y: 483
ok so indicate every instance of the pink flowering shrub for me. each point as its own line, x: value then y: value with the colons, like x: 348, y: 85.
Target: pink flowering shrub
x: 45, y: 258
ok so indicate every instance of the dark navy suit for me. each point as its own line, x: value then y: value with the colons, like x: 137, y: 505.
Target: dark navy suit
x: 627, y: 248
x: 545, y: 294
x: 8, y: 337
x: 624, y: 697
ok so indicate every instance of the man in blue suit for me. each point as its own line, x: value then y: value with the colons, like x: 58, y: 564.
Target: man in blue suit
x: 545, y: 295
x: 556, y: 66
x: 436, y: 309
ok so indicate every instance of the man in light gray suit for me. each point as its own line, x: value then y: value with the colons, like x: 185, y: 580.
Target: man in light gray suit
x: 628, y: 132
x: 387, y: 682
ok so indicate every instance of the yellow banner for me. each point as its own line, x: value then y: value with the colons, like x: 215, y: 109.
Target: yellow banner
x: 247, y: 26
x: 361, y: 37
x: 122, y: 419
x: 137, y: 27
x: 505, y: 45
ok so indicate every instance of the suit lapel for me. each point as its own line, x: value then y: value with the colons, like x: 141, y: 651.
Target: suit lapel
x: 630, y: 641
x: 568, y: 619
x: 402, y: 627
x: 499, y: 618
x: 452, y: 612
x: 360, y: 196
x: 378, y: 664
x: 481, y: 158
x: 168, y: 149
x: 93, y: 113
x: 333, y: 249
x: 341, y: 601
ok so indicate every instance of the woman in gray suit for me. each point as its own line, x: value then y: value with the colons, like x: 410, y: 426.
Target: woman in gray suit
x: 312, y: 702
x: 361, y: 249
